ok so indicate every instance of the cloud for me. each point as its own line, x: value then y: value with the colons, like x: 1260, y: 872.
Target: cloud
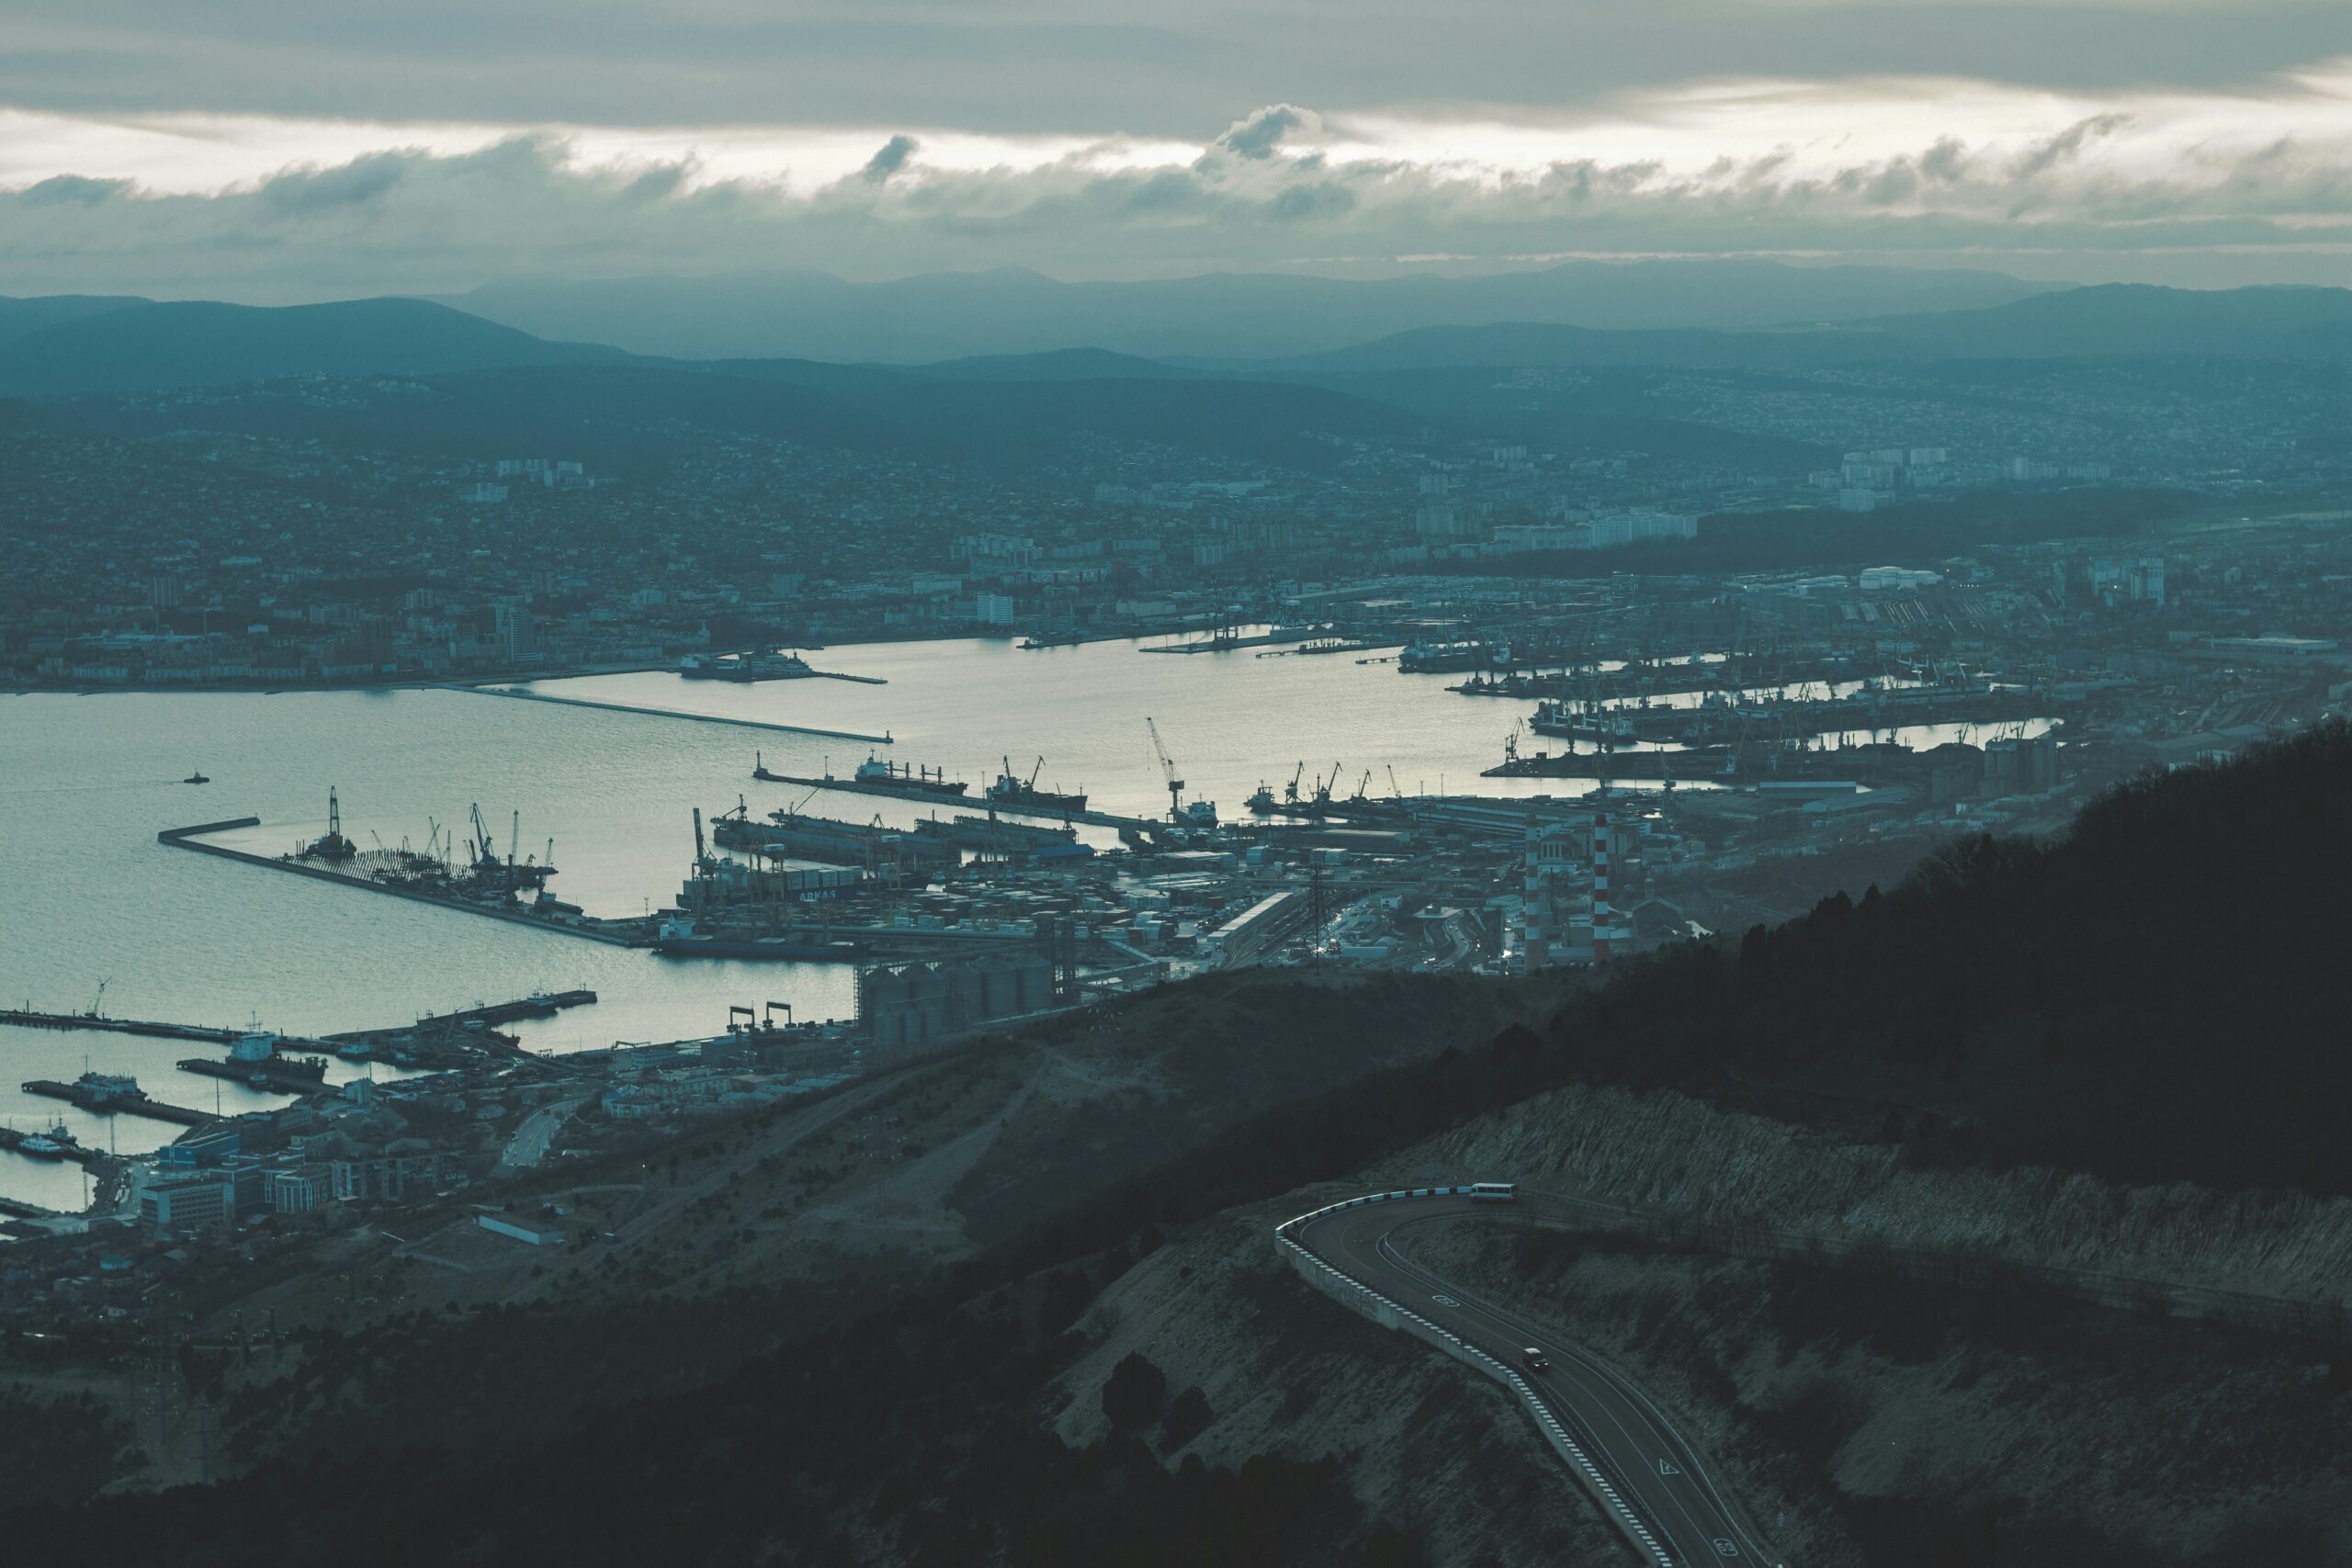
x: 2105, y: 194
x: 73, y: 189
x: 1257, y: 136
x: 2069, y: 142
x: 888, y: 159
x: 362, y: 180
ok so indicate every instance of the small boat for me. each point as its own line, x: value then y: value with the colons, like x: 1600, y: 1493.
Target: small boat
x: 196, y: 777
x: 40, y: 1147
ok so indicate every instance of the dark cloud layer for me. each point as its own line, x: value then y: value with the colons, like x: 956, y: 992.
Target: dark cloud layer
x: 410, y: 221
x: 1056, y: 66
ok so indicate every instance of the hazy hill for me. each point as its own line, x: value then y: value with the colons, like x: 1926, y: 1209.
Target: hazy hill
x: 1055, y: 364
x: 643, y: 417
x: 144, y: 348
x: 1010, y: 311
x: 2128, y: 319
x: 18, y: 317
x: 2110, y: 320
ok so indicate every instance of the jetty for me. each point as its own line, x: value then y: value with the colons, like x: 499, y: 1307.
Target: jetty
x: 30, y: 1019
x: 520, y: 696
x: 133, y: 1102
x: 614, y: 934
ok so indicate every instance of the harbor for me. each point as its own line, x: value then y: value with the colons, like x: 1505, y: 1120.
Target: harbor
x: 1220, y: 825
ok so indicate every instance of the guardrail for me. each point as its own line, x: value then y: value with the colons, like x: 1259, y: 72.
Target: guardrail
x: 1393, y: 1314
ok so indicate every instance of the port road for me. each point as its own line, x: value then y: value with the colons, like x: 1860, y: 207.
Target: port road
x: 1640, y: 1450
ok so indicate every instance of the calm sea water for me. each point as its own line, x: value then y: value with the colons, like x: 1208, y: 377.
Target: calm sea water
x: 88, y: 898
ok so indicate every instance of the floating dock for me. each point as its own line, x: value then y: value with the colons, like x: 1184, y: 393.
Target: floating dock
x: 882, y: 739
x: 276, y: 1077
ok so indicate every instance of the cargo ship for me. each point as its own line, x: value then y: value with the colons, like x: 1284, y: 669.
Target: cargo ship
x: 778, y: 666
x: 1442, y: 658
x: 1011, y: 789
x: 918, y: 779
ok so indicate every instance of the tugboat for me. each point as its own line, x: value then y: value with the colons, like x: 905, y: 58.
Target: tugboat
x: 51, y: 1144
x: 196, y: 777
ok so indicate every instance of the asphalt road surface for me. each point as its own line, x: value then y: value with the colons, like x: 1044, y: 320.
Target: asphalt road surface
x: 1633, y: 1442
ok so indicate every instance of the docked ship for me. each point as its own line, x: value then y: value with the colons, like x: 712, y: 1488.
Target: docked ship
x: 1445, y: 658
x: 55, y: 1143
x: 1011, y: 789
x: 919, y: 780
x: 1574, y: 721
x: 747, y: 668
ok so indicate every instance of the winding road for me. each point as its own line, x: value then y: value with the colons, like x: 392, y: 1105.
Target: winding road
x: 1645, y: 1468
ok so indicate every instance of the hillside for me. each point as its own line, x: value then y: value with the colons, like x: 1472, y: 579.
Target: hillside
x: 147, y: 347
x: 2110, y: 320
x: 18, y: 317
x: 1225, y: 316
x: 899, y: 1315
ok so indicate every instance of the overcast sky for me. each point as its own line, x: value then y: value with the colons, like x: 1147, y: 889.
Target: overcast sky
x: 270, y: 150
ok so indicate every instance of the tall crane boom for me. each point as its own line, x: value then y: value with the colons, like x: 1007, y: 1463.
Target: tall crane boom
x: 1168, y: 772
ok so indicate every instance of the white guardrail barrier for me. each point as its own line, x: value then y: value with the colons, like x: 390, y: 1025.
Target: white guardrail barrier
x: 1394, y: 1314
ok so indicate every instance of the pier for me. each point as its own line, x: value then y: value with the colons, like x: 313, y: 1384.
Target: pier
x: 270, y: 1074
x: 614, y: 933
x: 27, y: 1019
x: 118, y: 1104
x: 519, y: 695
x: 979, y: 803
x: 93, y: 1159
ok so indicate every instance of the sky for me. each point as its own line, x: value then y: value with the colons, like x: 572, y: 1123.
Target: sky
x: 277, y: 151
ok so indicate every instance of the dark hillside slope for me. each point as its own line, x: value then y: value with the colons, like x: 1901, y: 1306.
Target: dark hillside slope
x: 2125, y: 319
x: 1012, y: 420
x: 18, y: 317
x: 2157, y: 997
x: 200, y: 344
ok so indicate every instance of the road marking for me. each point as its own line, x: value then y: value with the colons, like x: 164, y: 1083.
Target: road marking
x: 1666, y: 1468
x: 1724, y: 1547
x: 1445, y: 1300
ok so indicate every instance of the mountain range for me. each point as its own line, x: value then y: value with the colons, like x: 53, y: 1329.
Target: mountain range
x: 1009, y: 310
x: 66, y: 345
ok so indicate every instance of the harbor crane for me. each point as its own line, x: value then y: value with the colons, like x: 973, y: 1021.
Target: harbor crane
x: 1168, y: 772
x: 1201, y: 813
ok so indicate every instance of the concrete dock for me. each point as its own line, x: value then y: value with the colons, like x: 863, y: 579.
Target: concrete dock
x: 883, y: 740
x: 614, y: 934
x: 117, y: 1105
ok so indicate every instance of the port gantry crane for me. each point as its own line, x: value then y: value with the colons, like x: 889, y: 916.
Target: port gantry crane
x: 1201, y: 813
x: 1168, y: 772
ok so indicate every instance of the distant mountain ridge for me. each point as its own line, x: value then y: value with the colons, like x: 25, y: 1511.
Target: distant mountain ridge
x: 946, y: 316
x: 73, y: 345
x: 145, y: 346
x: 18, y: 317
x: 2106, y: 321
